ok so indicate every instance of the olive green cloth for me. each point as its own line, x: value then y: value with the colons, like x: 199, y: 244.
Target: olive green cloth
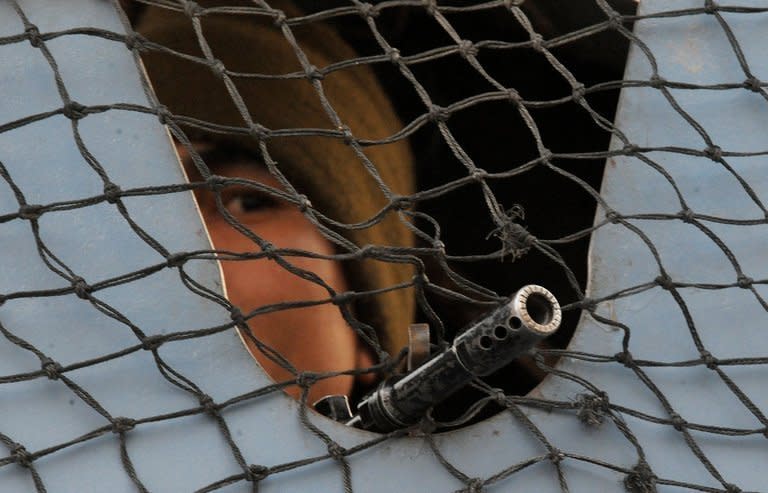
x: 326, y: 169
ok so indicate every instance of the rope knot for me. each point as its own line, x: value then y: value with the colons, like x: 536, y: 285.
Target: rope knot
x: 218, y: 67
x: 640, y: 480
x: 336, y: 451
x: 208, y: 405
x: 74, y: 110
x: 425, y: 427
x: 394, y: 55
x: 753, y: 84
x: 732, y: 488
x: 215, y: 183
x: 631, y: 149
x: 192, y: 9
x: 258, y: 132
x: 710, y: 7
x: 657, y: 82
x: 21, y: 456
x: 314, y: 74
x: 438, y: 114
x: 346, y: 133
x: 515, y: 239
x: 163, y: 114
x: 368, y: 251
x: 713, y: 152
x: 513, y: 96
x: 613, y: 217
x: 678, y: 423
x: 588, y: 304
x: 744, y: 282
x: 367, y: 10
x: 431, y: 6
x: 420, y: 280
x: 306, y: 379
x: 135, y: 41
x: 475, y: 485
x: 33, y: 35
x: 625, y: 358
x: 556, y: 456
x: 176, y: 259
x: 343, y: 298
x: 578, y: 92
x: 269, y: 250
x: 665, y: 282
x: 500, y: 397
x: 686, y: 215
x: 237, y: 316
x: 710, y: 361
x: 51, y: 368
x: 30, y: 212
x: 537, y: 42
x: 592, y: 408
x: 479, y: 174
x: 122, y: 425
x: 615, y: 20
x: 112, y: 192
x: 304, y: 203
x: 256, y: 473
x: 467, y: 48
x: 81, y: 288
x: 150, y: 343
x: 280, y: 18
x: 400, y: 202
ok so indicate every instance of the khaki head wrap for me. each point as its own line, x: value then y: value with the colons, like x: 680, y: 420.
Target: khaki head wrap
x: 326, y: 169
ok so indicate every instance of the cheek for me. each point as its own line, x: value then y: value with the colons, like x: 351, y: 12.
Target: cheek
x: 258, y: 282
x: 312, y: 338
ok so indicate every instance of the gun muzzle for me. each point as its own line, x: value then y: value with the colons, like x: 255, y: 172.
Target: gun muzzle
x: 489, y: 344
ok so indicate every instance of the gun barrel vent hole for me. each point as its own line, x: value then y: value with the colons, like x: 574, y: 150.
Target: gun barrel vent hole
x: 500, y: 332
x: 486, y: 342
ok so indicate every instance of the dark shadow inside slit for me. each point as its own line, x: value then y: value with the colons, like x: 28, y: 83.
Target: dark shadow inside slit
x: 553, y: 197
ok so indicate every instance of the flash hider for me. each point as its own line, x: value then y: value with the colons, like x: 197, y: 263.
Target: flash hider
x: 489, y: 344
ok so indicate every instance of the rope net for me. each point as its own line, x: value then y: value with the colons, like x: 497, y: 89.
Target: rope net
x: 507, y: 108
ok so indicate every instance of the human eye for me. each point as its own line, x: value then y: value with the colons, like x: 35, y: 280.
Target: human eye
x: 241, y: 202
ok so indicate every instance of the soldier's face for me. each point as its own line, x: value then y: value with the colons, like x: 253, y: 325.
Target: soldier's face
x: 312, y: 338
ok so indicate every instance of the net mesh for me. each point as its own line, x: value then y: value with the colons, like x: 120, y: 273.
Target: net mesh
x: 453, y: 72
